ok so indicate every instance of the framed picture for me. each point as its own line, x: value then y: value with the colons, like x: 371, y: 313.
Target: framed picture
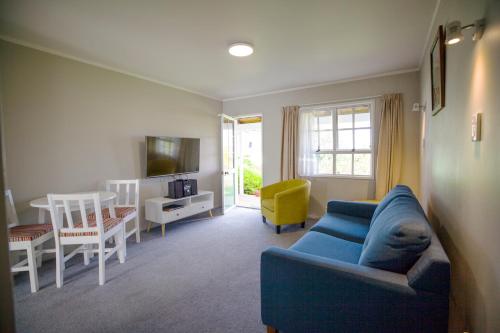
x: 438, y: 71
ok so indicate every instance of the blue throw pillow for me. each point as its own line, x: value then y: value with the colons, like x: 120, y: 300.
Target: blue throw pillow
x: 397, y: 237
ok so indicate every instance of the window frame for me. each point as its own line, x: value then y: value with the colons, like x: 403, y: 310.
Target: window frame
x: 333, y: 108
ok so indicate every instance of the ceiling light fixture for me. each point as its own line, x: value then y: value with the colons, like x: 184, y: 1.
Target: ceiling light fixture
x: 240, y: 49
x: 454, y: 31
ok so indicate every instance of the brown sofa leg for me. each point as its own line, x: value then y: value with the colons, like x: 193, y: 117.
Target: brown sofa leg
x: 271, y: 330
x: 303, y: 225
x: 278, y: 229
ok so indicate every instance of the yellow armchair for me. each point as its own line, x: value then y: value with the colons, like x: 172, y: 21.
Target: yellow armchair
x: 286, y: 202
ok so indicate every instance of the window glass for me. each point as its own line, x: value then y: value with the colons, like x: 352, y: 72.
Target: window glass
x: 362, y: 164
x: 325, y: 164
x: 344, y: 118
x: 341, y: 140
x: 343, y: 164
x: 362, y: 118
x: 325, y: 122
x: 344, y: 139
x: 326, y: 140
x: 362, y: 139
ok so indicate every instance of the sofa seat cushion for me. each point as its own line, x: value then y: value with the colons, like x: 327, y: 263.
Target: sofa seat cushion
x: 28, y: 232
x: 268, y: 204
x: 398, y: 237
x: 347, y: 227
x: 323, y: 245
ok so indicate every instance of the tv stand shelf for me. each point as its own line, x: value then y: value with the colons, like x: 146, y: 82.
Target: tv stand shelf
x: 189, y: 206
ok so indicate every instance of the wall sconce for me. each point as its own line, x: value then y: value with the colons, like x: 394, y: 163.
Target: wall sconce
x: 454, y: 31
x: 417, y: 107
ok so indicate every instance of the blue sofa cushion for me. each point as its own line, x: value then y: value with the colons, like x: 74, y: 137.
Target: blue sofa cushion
x: 396, y: 192
x: 397, y: 237
x: 347, y: 227
x: 327, y: 246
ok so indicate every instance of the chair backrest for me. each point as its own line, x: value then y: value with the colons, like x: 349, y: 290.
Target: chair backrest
x: 12, y: 218
x: 63, y: 204
x: 126, y: 195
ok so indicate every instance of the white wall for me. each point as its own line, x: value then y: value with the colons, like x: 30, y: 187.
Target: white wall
x: 461, y: 178
x: 324, y: 189
x: 69, y: 126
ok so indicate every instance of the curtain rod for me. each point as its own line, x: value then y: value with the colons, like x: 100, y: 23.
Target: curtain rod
x: 340, y: 101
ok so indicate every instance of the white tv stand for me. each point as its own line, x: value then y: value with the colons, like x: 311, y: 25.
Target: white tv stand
x: 156, y: 208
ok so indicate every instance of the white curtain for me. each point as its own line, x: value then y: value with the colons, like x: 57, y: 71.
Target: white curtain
x: 306, y: 159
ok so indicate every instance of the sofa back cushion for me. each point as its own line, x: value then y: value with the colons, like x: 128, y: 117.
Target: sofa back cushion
x: 397, y: 237
x: 397, y: 191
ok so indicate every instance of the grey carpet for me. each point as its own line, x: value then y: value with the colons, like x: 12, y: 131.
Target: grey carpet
x: 203, y: 277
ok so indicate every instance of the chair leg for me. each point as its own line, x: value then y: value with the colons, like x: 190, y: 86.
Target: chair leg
x: 121, y: 244
x: 278, y: 229
x: 271, y: 329
x: 137, y: 229
x: 39, y: 257
x: 102, y: 259
x: 32, y: 268
x: 86, y: 254
x: 303, y: 225
x: 263, y: 219
x: 59, y: 266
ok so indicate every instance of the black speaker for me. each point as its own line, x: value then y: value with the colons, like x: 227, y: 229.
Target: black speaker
x: 176, y: 189
x: 182, y: 188
x: 193, y: 186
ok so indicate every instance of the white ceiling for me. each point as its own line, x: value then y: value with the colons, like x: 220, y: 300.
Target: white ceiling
x: 184, y: 43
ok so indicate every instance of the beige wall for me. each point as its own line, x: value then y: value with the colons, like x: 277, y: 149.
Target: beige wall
x: 324, y: 189
x: 69, y: 125
x: 460, y: 178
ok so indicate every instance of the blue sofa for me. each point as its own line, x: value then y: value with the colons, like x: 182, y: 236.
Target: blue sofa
x: 362, y: 268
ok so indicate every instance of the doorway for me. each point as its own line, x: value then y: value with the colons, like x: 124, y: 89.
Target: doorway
x: 248, y: 142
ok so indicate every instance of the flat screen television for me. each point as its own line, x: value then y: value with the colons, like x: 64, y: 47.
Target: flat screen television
x: 171, y: 156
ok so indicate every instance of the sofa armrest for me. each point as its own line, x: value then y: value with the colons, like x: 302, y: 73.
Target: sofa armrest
x: 301, y: 292
x: 352, y: 208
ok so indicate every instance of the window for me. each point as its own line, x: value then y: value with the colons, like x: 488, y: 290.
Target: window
x: 336, y: 140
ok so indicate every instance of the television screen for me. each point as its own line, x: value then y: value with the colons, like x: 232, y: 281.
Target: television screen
x: 171, y: 156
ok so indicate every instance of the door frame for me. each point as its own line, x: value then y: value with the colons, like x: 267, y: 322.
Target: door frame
x: 261, y: 116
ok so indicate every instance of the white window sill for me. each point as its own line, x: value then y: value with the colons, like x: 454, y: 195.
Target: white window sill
x: 341, y: 177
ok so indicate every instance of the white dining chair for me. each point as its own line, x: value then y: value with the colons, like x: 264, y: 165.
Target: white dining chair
x: 126, y: 205
x: 29, y: 238
x: 85, y: 232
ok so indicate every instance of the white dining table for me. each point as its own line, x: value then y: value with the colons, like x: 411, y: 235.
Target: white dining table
x: 43, y: 203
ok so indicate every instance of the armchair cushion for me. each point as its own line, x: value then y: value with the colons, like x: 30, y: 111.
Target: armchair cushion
x: 326, y: 246
x: 397, y: 237
x: 268, y: 204
x: 347, y: 227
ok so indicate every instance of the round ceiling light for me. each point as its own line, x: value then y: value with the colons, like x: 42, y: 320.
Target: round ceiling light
x: 240, y: 49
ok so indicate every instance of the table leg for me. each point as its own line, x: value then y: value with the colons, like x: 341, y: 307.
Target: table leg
x: 41, y: 215
x: 149, y: 227
x: 163, y: 230
x: 210, y: 212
